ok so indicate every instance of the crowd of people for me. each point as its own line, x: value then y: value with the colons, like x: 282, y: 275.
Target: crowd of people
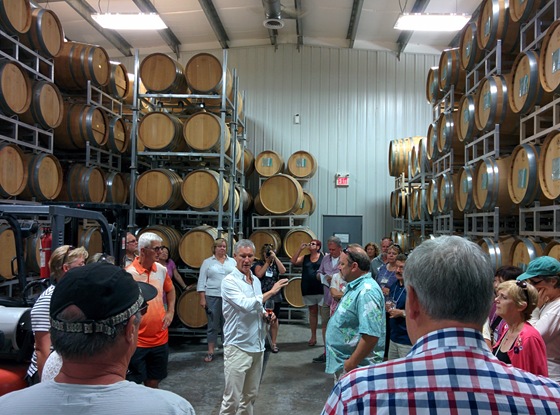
x: 438, y: 329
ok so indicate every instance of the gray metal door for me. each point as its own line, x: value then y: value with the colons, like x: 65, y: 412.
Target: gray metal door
x: 347, y: 228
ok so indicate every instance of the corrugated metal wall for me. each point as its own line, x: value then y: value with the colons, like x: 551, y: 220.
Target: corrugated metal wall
x: 351, y: 104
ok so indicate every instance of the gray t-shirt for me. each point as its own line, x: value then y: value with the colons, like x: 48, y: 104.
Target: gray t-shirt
x: 123, y: 398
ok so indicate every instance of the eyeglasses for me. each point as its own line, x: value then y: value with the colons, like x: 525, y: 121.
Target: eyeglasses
x: 313, y: 243
x: 349, y: 254
x: 144, y: 309
x: 155, y: 248
x: 131, y: 242
x: 65, y: 257
x: 523, y: 286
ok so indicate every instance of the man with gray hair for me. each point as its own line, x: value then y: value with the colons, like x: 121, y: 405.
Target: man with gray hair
x: 244, y: 331
x: 95, y: 314
x: 449, y: 369
x: 149, y: 363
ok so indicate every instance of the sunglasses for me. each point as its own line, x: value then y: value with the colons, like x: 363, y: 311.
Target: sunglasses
x: 65, y: 257
x: 351, y: 256
x: 523, y: 286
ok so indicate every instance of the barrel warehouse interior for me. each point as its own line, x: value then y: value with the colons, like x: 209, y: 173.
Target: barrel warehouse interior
x: 279, y: 121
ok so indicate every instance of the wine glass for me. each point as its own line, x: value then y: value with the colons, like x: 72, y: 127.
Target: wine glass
x: 269, y: 306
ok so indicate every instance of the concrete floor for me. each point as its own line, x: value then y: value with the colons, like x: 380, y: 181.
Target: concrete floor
x: 291, y: 382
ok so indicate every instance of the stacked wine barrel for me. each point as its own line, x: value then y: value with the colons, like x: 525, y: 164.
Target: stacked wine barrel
x: 473, y: 179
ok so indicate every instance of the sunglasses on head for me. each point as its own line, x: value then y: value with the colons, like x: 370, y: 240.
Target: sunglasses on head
x: 65, y: 257
x: 351, y: 256
x: 523, y: 286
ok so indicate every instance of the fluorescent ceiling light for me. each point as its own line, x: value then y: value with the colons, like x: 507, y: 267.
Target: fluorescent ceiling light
x: 432, y: 22
x: 129, y: 21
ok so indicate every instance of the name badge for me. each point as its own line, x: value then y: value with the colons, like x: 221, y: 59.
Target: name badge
x: 269, y: 273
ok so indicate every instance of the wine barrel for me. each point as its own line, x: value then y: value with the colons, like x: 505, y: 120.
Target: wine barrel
x: 419, y: 205
x: 268, y: 163
x: 490, y: 187
x: 196, y: 245
x: 492, y: 107
x: 523, y: 10
x: 399, y: 205
x: 301, y: 165
x: 467, y: 129
x: 47, y: 107
x: 248, y: 162
x: 204, y: 74
x: 160, y: 189
x: 201, y: 190
x: 433, y: 91
x: 45, y: 35
x: 91, y: 239
x: 118, y: 85
x: 15, y: 16
x: 448, y: 137
x: 499, y: 252
x: 246, y: 199
x: 547, y: 166
x: 431, y: 142
x: 170, y: 237
x: 431, y: 197
x: 525, y: 87
x: 450, y: 71
x: 399, y: 155
x: 308, y: 205
x: 118, y: 136
x: 295, y: 237
x: 292, y: 293
x: 117, y: 188
x: 552, y: 249
x: 203, y: 132
x: 470, y: 54
x: 235, y: 146
x: 523, y: 178
x: 7, y: 252
x: 412, y: 203
x: 189, y: 310
x: 494, y: 23
x: 44, y: 177
x: 78, y: 63
x: 549, y: 74
x: 160, y: 131
x: 464, y: 193
x: 81, y: 123
x: 163, y: 74
x: 15, y: 88
x: 83, y: 184
x: 265, y: 236
x: 281, y: 194
x: 446, y: 188
x: 524, y: 250
x: 13, y: 174
x: 33, y: 252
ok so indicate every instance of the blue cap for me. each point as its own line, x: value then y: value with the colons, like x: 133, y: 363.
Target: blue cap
x: 543, y: 266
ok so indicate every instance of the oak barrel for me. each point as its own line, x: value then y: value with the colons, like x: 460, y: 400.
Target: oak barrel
x: 78, y: 63
x: 292, y: 293
x: 464, y: 192
x: 525, y: 88
x: 13, y: 174
x: 81, y: 123
x: 470, y: 53
x: 118, y: 85
x: 196, y: 245
x: 201, y: 190
x: 44, y: 177
x: 499, y: 252
x: 7, y: 252
x: 308, y: 205
x: 490, y: 187
x: 433, y: 91
x: 268, y: 163
x: 45, y: 35
x: 118, y: 136
x: 295, y: 237
x: 548, y: 166
x: 494, y: 23
x: 204, y: 74
x: 450, y: 71
x: 15, y: 88
x: 47, y: 107
x: 467, y: 128
x: 160, y: 131
x: 163, y: 74
x: 203, y: 132
x: 160, y: 189
x: 15, y: 16
x: 189, y: 310
x: 524, y: 250
x: 91, y: 239
x: 281, y: 194
x: 549, y: 74
x: 523, y: 178
x: 83, y: 184
x: 523, y: 10
x: 265, y: 236
x: 492, y: 106
x: 117, y: 188
x: 170, y: 236
x: 301, y: 165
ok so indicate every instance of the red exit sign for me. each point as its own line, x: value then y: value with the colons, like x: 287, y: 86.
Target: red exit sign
x: 342, y: 181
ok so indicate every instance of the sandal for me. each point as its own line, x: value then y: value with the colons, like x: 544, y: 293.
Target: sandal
x: 274, y: 349
x: 312, y: 343
x: 209, y: 357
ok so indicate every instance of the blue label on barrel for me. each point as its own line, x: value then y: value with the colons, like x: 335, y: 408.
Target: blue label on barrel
x: 524, y: 85
x: 301, y: 162
x: 466, y: 115
x: 484, y: 184
x: 555, y: 61
x: 266, y: 162
x: 487, y: 26
x: 556, y: 169
x: 465, y: 185
x: 468, y: 49
x: 522, y: 179
x: 487, y: 101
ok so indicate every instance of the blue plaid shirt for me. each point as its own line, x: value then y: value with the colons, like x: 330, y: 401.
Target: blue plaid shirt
x: 449, y: 371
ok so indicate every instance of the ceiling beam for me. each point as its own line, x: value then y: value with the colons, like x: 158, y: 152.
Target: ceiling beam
x: 299, y: 24
x: 215, y: 22
x: 167, y: 35
x: 418, y: 7
x: 85, y: 11
x: 354, y: 21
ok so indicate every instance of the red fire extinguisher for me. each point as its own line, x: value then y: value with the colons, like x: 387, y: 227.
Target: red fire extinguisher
x: 45, y: 252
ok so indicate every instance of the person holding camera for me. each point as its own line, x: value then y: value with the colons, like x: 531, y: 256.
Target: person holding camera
x: 268, y: 270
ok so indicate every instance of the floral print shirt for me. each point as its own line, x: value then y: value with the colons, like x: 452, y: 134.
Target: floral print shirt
x: 360, y: 311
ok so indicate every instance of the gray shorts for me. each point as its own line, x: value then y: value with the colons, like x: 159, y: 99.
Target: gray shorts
x: 313, y: 299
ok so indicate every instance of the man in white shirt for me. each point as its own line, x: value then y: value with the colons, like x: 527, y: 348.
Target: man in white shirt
x: 244, y: 331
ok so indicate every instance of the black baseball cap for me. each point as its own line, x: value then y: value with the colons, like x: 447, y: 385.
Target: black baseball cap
x: 105, y: 293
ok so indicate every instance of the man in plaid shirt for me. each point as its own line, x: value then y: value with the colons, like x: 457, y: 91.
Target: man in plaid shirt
x: 449, y: 369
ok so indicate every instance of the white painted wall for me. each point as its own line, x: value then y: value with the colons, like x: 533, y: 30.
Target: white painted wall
x: 351, y: 104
